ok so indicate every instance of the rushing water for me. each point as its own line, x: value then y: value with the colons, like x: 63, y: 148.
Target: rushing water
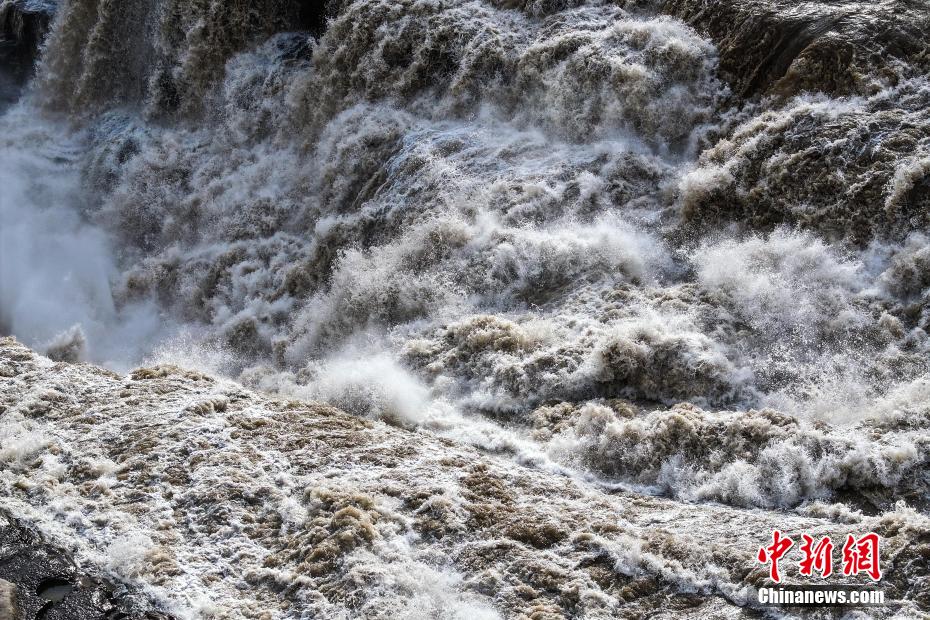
x: 549, y: 229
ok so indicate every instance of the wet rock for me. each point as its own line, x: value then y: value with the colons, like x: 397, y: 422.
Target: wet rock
x: 790, y: 46
x: 37, y: 580
x: 23, y: 26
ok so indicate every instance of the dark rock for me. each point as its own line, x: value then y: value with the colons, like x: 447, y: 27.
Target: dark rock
x: 852, y: 168
x: 838, y: 47
x: 312, y: 15
x: 50, y: 586
x: 23, y: 26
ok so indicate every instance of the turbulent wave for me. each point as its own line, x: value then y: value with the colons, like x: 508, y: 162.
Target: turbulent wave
x: 220, y: 503
x: 634, y: 242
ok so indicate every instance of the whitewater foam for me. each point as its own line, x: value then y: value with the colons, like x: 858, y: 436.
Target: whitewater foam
x: 546, y: 230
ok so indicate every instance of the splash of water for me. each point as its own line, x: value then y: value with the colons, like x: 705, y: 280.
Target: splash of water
x: 545, y: 229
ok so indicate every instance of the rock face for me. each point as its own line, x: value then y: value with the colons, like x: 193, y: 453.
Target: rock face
x: 23, y: 26
x: 247, y: 507
x: 39, y: 581
x: 786, y: 47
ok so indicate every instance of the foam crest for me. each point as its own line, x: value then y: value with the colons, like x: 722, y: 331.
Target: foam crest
x: 539, y: 236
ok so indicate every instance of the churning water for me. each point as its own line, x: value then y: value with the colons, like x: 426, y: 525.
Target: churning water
x: 550, y: 230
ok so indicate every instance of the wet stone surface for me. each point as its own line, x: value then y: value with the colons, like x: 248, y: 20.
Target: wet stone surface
x: 786, y: 47
x: 40, y: 582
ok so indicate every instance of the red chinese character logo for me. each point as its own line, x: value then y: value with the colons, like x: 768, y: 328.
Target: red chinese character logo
x: 819, y: 557
x: 862, y: 556
x: 774, y: 552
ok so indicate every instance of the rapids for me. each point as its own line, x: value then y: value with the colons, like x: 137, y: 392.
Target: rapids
x: 652, y: 247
